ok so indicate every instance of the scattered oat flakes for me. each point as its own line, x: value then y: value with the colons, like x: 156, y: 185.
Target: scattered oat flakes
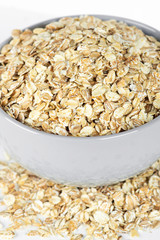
x: 106, y: 212
x: 7, y: 234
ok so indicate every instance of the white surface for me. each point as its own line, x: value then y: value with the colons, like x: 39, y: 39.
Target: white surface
x: 19, y: 14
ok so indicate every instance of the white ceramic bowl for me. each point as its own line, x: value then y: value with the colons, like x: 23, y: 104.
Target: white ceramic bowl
x: 86, y: 161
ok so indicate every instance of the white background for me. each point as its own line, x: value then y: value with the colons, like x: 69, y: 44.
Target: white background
x: 20, y: 14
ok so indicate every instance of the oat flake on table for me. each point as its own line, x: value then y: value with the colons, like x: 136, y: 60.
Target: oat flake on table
x: 81, y: 77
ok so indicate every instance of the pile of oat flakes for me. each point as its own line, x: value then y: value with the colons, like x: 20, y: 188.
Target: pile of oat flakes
x: 106, y: 212
x: 81, y: 77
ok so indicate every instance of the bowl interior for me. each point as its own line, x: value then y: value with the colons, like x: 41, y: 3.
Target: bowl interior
x: 148, y: 30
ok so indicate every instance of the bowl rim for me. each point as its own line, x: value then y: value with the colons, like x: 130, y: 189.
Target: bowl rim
x: 34, y: 131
